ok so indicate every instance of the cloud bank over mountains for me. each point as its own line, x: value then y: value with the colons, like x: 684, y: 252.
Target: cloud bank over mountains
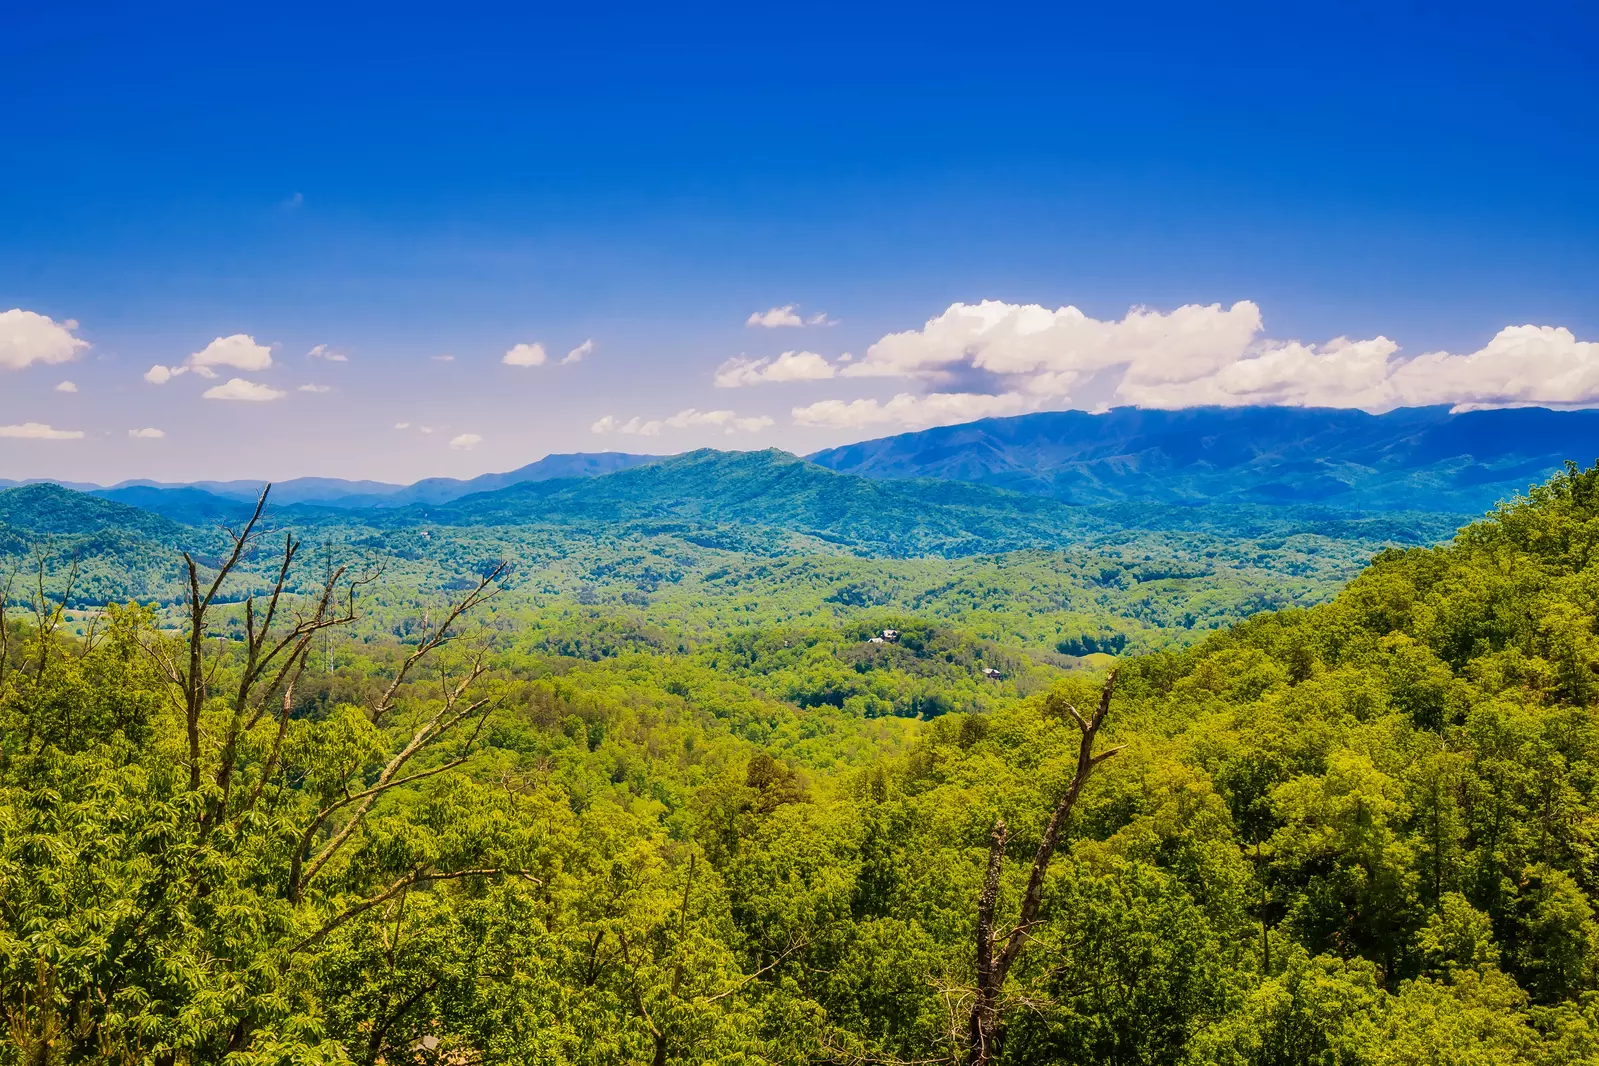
x: 991, y: 358
x: 970, y: 361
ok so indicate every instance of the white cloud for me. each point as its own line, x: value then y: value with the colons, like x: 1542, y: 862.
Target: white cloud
x: 466, y: 441
x: 911, y: 411
x: 820, y: 319
x: 314, y: 388
x: 238, y: 351
x: 1520, y: 365
x: 40, y: 431
x: 525, y: 355
x: 160, y: 375
x: 775, y: 317
x: 790, y: 366
x: 322, y: 351
x: 580, y: 353
x: 727, y: 421
x: 1198, y: 354
x: 424, y: 429
x: 146, y: 434
x: 27, y: 337
x: 1013, y: 339
x: 445, y: 358
x: 66, y: 386
x: 239, y: 389
x: 402, y: 425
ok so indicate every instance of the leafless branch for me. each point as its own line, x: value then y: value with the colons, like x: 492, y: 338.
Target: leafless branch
x: 415, y: 877
x: 985, y: 1030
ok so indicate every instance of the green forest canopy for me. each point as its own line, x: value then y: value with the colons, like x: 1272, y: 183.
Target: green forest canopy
x: 1358, y: 832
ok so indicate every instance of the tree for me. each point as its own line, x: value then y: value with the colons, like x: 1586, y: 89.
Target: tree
x: 997, y: 953
x: 162, y: 896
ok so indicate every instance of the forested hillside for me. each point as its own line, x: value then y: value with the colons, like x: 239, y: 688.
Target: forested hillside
x: 319, y: 828
x: 715, y: 540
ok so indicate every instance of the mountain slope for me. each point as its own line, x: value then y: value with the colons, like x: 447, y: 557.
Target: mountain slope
x: 739, y: 493
x: 191, y: 506
x: 118, y: 552
x: 436, y: 490
x: 775, y: 490
x: 47, y: 509
x: 1422, y: 458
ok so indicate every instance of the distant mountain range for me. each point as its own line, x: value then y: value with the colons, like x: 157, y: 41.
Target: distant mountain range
x: 1414, y: 458
x: 767, y: 502
x: 354, y: 495
x: 1424, y: 459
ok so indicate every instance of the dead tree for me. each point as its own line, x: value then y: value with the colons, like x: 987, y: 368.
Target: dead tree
x: 5, y: 626
x: 275, y: 658
x: 997, y: 953
x: 273, y: 655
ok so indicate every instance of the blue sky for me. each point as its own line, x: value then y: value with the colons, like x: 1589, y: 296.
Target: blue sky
x: 402, y: 185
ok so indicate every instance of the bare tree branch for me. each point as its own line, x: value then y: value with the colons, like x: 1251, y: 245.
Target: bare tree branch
x: 195, y: 680
x: 985, y: 1029
x: 419, y: 876
x: 439, y: 637
x: 434, y: 728
x: 5, y: 624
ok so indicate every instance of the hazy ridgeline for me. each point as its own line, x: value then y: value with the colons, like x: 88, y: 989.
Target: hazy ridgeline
x: 611, y: 770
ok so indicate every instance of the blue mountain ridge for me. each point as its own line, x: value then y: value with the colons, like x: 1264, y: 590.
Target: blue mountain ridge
x: 1409, y: 459
x: 1423, y: 458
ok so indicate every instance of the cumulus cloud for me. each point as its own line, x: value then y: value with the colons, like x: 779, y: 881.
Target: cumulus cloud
x: 466, y: 441
x: 314, y: 388
x: 911, y: 411
x: 580, y: 353
x: 525, y: 355
x: 727, y: 421
x: 788, y: 315
x: 147, y: 433
x: 240, y: 389
x: 322, y: 351
x: 402, y: 425
x: 790, y: 366
x: 66, y: 386
x: 1024, y: 356
x: 1066, y: 345
x: 1520, y: 365
x: 775, y: 317
x: 40, y: 431
x: 238, y: 351
x: 27, y: 337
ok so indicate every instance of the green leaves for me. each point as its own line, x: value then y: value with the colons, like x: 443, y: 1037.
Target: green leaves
x: 1360, y: 833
